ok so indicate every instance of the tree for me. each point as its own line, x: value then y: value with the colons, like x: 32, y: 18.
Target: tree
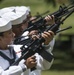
x: 51, y: 1
x: 71, y: 1
x: 1, y: 1
x: 59, y: 1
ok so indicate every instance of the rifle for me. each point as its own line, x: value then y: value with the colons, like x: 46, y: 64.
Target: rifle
x: 62, y: 12
x: 32, y: 48
x: 38, y: 16
x: 59, y: 14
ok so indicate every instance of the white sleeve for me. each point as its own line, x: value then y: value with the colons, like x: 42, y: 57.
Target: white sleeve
x: 42, y: 64
x: 50, y: 46
x: 13, y: 70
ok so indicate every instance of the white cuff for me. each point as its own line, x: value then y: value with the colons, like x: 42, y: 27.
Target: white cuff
x: 23, y: 66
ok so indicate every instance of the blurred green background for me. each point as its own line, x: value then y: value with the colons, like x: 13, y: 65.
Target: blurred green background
x: 63, y: 62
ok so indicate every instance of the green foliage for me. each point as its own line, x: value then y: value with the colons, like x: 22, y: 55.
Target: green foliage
x: 51, y: 1
x: 63, y: 64
x: 71, y: 1
x: 58, y: 72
